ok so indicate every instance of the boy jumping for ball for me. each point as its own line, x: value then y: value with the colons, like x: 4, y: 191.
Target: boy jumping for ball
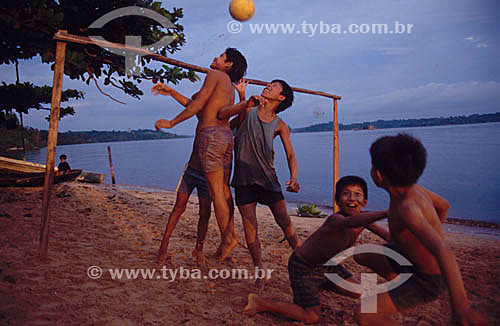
x: 192, y: 177
x: 306, y: 264
x: 255, y: 180
x: 215, y: 140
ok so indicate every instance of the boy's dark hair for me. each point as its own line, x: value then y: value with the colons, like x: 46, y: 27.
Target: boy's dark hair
x: 62, y: 157
x: 400, y: 158
x: 287, y: 92
x: 239, y: 67
x: 347, y: 181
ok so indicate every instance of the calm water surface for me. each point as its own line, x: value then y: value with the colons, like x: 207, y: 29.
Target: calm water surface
x: 463, y: 163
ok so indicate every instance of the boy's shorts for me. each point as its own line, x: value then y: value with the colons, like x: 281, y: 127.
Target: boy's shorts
x: 193, y: 178
x: 306, y: 281
x: 256, y: 194
x: 215, y: 148
x: 418, y: 289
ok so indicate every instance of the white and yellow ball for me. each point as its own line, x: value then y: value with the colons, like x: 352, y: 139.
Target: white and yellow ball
x: 241, y: 10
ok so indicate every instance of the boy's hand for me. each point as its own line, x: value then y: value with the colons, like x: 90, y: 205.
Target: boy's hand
x: 241, y: 86
x: 292, y: 185
x: 256, y: 100
x: 163, y: 123
x: 161, y: 89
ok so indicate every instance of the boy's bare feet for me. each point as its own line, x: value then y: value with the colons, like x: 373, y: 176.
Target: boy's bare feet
x: 252, y: 307
x: 164, y: 259
x: 259, y: 285
x: 218, y: 251
x: 200, y: 257
x: 227, y: 247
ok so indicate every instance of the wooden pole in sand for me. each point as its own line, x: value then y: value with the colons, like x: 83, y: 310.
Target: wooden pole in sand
x: 22, y: 136
x: 335, y: 151
x: 113, y: 181
x: 51, y: 145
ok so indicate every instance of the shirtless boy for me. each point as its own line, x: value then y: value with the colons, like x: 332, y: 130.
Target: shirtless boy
x: 415, y: 216
x: 306, y: 265
x: 255, y: 179
x: 215, y: 138
x: 192, y: 177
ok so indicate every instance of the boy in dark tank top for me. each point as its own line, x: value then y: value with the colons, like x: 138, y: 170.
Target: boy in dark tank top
x: 255, y: 179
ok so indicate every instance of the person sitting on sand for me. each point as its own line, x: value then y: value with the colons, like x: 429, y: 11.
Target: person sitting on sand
x: 415, y: 216
x: 255, y: 180
x: 306, y: 264
x: 63, y: 166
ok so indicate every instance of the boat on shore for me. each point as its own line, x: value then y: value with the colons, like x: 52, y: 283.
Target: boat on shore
x: 34, y: 179
x: 13, y: 165
x: 10, y: 165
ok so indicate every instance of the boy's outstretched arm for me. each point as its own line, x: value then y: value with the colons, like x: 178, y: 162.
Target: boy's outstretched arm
x: 231, y: 110
x: 166, y: 90
x: 356, y: 221
x: 196, y: 104
x: 380, y: 231
x: 441, y: 205
x: 413, y: 217
x: 240, y: 108
x: 241, y: 88
x: 237, y: 108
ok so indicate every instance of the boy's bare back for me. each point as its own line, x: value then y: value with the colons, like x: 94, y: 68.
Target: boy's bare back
x: 418, y: 207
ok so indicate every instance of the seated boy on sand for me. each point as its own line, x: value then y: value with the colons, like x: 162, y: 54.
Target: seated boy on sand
x: 305, y: 266
x: 415, y: 216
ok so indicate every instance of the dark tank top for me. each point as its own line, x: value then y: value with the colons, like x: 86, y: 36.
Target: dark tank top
x: 254, y: 153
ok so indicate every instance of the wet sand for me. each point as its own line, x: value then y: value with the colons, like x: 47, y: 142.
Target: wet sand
x: 116, y: 228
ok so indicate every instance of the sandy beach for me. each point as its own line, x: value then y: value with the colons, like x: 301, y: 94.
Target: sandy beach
x: 118, y: 228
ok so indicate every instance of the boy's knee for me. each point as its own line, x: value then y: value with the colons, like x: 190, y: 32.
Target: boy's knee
x: 204, y: 216
x: 285, y: 223
x: 366, y: 319
x: 180, y: 207
x: 227, y: 192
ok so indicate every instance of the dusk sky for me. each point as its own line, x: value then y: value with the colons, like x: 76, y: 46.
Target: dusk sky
x: 448, y: 64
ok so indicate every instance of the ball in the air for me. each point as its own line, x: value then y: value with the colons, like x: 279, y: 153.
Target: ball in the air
x: 241, y: 10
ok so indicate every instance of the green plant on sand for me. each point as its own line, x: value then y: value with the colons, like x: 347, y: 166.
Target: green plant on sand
x: 308, y: 211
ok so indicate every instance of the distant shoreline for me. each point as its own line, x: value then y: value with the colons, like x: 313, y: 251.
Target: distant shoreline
x: 405, y: 123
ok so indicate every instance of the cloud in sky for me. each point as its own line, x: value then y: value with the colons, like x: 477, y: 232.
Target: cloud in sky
x: 393, y: 51
x: 431, y: 72
x: 475, y: 40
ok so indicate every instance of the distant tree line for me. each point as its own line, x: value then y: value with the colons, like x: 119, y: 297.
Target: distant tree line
x: 406, y: 123
x: 94, y: 136
x: 34, y: 138
x: 10, y: 136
